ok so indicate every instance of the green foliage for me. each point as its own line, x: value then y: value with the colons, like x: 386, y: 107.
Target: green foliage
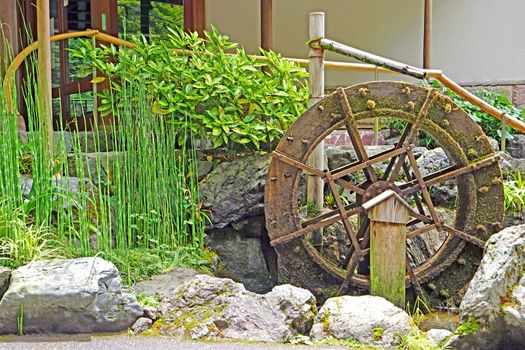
x: 468, y: 327
x: 514, y: 192
x: 20, y: 320
x: 416, y: 340
x: 490, y: 125
x: 147, y: 301
x: 22, y: 241
x: 228, y: 99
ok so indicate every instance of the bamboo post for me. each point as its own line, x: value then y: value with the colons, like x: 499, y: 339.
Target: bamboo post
x: 314, y: 192
x: 427, y: 34
x: 388, y: 215
x: 44, y: 73
x: 503, y: 132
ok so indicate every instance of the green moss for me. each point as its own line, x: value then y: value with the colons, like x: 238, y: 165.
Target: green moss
x: 377, y: 334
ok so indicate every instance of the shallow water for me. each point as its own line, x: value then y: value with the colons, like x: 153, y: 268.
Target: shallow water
x: 440, y: 320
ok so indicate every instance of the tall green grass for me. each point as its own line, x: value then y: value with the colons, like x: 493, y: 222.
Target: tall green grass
x: 146, y: 195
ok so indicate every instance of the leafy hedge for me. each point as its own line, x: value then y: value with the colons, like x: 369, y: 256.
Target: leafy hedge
x: 231, y: 99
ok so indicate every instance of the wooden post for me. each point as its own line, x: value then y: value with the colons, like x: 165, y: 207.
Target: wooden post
x: 427, y: 34
x: 388, y: 215
x: 314, y: 191
x: 8, y: 32
x: 44, y: 73
x: 266, y: 24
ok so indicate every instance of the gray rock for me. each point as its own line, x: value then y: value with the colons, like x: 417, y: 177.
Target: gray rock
x: 5, y: 277
x: 433, y: 160
x: 67, y: 296
x: 242, y: 259
x: 368, y: 319
x: 511, y: 165
x: 494, y: 144
x: 516, y: 146
x: 495, y: 298
x: 213, y: 308
x: 234, y: 190
x: 141, y: 325
x: 162, y: 286
x: 69, y: 185
x: 151, y: 312
x: 438, y: 335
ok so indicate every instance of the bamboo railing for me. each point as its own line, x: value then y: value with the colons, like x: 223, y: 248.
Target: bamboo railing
x: 373, y: 63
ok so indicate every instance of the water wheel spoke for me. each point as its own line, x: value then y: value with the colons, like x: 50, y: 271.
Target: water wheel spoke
x: 355, y: 137
x: 399, y: 145
x: 298, y: 164
x: 350, y: 186
x: 315, y: 226
x: 399, y: 164
x: 414, y: 195
x: 464, y: 236
x: 343, y: 213
x: 421, y: 230
x: 363, y: 229
x: 326, y: 215
x: 447, y: 174
x: 346, y: 170
x: 424, y: 188
x: 353, y: 265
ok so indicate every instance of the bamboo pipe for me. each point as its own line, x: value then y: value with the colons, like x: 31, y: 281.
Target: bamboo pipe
x: 363, y: 67
x: 427, y: 34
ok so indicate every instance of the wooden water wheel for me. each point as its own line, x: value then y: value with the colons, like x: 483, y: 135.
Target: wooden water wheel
x: 478, y: 208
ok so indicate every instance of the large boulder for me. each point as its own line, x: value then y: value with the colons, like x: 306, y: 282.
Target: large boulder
x: 67, y: 296
x: 214, y: 308
x: 161, y: 286
x: 494, y: 303
x: 368, y: 319
x: 516, y: 146
x: 5, y: 277
x: 234, y: 190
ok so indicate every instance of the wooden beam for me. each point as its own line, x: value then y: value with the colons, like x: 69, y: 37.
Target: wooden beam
x: 267, y: 24
x: 427, y: 35
x: 195, y: 16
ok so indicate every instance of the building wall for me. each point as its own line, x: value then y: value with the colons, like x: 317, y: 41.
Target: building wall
x: 476, y: 42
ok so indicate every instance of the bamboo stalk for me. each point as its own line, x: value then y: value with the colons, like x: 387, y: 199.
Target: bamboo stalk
x: 314, y: 191
x: 427, y: 34
x: 44, y: 73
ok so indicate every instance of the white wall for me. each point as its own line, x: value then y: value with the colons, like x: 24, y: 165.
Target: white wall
x: 473, y: 40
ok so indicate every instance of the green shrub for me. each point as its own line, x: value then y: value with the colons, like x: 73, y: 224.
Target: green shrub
x: 514, y: 192
x: 232, y: 99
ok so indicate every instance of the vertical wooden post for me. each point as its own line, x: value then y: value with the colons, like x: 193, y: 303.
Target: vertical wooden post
x: 314, y: 192
x: 44, y: 72
x: 195, y: 16
x: 9, y: 24
x: 266, y: 24
x: 427, y: 34
x: 388, y: 215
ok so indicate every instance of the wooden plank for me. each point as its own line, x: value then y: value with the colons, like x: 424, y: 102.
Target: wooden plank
x: 388, y: 261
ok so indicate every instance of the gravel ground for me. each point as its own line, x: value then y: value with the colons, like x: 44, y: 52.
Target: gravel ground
x: 124, y: 342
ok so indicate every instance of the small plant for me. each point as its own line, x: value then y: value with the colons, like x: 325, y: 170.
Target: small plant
x: 20, y: 320
x: 147, y: 300
x: 468, y: 327
x: 377, y: 334
x: 514, y: 192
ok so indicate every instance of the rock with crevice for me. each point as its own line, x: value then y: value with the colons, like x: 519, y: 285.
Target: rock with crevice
x: 494, y: 303
x: 67, y: 296
x: 218, y: 308
x: 5, y: 277
x: 141, y: 325
x: 370, y: 320
x: 242, y: 258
